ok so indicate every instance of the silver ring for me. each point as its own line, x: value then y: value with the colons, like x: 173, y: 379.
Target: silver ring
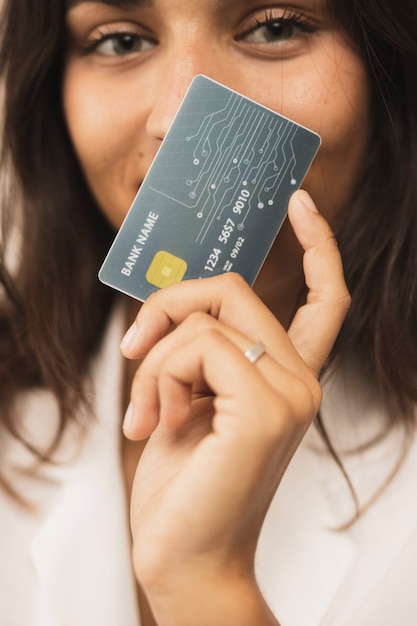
x: 254, y: 353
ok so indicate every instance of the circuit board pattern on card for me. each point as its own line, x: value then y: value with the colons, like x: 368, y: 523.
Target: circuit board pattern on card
x: 236, y: 144
x: 215, y: 195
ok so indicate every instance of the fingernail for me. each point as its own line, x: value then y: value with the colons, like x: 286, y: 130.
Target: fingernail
x: 128, y: 419
x: 129, y: 337
x: 308, y: 202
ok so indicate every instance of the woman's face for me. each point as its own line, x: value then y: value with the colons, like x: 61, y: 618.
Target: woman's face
x: 129, y: 65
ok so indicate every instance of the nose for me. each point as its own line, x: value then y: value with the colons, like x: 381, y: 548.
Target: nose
x: 171, y: 82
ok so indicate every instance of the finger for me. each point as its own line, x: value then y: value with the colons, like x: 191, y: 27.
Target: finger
x: 241, y: 389
x: 144, y: 393
x: 223, y: 297
x: 217, y: 361
x: 317, y: 323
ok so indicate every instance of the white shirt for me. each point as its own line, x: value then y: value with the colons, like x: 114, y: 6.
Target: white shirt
x: 68, y: 564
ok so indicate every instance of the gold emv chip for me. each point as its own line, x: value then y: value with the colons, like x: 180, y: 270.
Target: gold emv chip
x: 165, y: 269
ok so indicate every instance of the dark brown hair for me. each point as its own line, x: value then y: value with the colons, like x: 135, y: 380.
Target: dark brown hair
x: 55, y: 309
x: 378, y: 239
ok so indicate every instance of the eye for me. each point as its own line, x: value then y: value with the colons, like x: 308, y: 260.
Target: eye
x: 273, y: 29
x: 121, y: 44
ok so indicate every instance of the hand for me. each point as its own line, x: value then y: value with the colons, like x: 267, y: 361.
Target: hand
x: 222, y: 430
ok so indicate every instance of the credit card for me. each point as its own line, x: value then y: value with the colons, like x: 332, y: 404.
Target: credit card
x: 215, y: 195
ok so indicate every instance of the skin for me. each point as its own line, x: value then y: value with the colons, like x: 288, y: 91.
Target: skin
x: 208, y: 467
x: 315, y: 78
x: 195, y: 395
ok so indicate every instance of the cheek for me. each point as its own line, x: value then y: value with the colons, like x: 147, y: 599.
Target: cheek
x: 344, y: 128
x: 86, y: 117
x: 335, y: 103
x: 91, y: 123
x: 101, y: 133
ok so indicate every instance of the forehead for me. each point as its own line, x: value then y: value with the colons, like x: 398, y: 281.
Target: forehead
x: 116, y: 3
x: 149, y: 3
x: 315, y: 6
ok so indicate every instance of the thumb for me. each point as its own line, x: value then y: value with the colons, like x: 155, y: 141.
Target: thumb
x: 317, y: 323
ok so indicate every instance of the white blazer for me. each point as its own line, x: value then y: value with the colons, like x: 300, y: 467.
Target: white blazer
x: 70, y: 564
x: 313, y: 574
x: 74, y: 567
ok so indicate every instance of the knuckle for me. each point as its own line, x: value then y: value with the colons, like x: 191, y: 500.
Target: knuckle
x: 316, y: 394
x: 345, y: 300
x: 211, y: 335
x: 153, y: 301
x: 232, y: 281
x: 199, y: 321
x: 341, y: 302
x: 154, y: 297
x: 306, y: 400
x: 201, y: 325
x: 293, y: 413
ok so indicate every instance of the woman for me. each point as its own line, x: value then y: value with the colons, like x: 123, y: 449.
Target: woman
x: 91, y: 88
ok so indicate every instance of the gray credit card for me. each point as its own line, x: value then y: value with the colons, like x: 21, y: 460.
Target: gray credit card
x: 215, y: 196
